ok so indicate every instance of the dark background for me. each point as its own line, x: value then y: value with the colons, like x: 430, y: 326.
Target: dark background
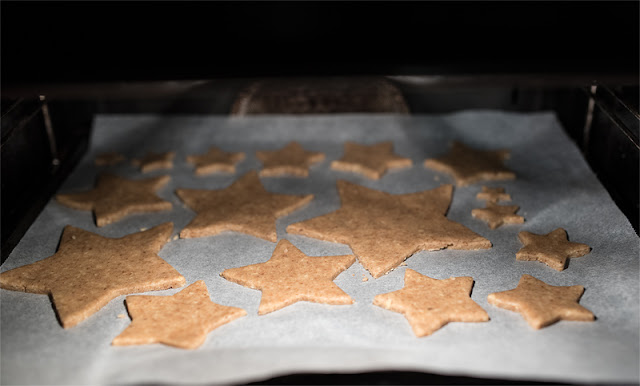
x: 93, y: 41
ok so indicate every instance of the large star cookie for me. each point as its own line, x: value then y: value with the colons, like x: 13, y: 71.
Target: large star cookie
x: 182, y: 320
x: 292, y: 160
x: 215, y: 160
x: 468, y: 165
x: 371, y: 161
x: 493, y: 194
x: 244, y: 206
x: 384, y: 229
x: 495, y: 215
x: 115, y: 197
x: 553, y: 249
x: 291, y: 276
x: 542, y: 304
x: 429, y: 304
x: 89, y: 270
x: 155, y: 161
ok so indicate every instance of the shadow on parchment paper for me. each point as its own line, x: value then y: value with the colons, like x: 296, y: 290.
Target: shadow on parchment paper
x: 390, y: 378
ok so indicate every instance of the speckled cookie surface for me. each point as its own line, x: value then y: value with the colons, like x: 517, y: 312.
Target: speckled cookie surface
x: 291, y: 160
x: 429, y: 304
x: 290, y: 276
x: 115, y: 197
x: 244, y: 206
x: 89, y: 270
x: 542, y: 304
x: 496, y: 215
x: 372, y: 161
x: 182, y: 320
x: 468, y: 165
x: 553, y: 249
x: 493, y: 195
x: 155, y: 161
x: 384, y: 229
x: 215, y: 161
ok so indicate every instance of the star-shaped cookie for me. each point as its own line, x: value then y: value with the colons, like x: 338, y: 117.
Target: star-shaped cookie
x: 291, y: 276
x: 291, y: 160
x: 89, y: 270
x: 384, y: 229
x: 215, y: 160
x: 495, y: 215
x: 371, y: 161
x: 553, y: 249
x: 244, y: 206
x: 182, y: 320
x: 493, y: 195
x: 429, y: 304
x: 468, y: 165
x: 115, y: 197
x: 542, y: 304
x: 155, y: 161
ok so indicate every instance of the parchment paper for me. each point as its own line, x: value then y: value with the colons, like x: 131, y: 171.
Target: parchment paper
x: 554, y: 188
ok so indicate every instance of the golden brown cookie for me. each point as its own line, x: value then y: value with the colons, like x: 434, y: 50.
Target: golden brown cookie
x: 155, y: 161
x: 108, y: 159
x: 182, y: 320
x: 291, y: 276
x: 115, y: 197
x: 244, y: 206
x: 429, y: 304
x: 542, y: 304
x: 468, y: 165
x: 371, y: 161
x: 493, y: 195
x: 495, y: 215
x: 384, y: 229
x: 89, y: 270
x: 215, y: 160
x: 292, y: 160
x: 553, y: 249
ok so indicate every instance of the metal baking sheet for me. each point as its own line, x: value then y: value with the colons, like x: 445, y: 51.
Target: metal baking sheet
x: 554, y: 188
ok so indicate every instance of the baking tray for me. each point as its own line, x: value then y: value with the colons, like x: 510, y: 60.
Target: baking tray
x: 554, y: 188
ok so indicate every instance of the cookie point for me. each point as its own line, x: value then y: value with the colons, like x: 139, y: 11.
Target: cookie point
x: 100, y: 222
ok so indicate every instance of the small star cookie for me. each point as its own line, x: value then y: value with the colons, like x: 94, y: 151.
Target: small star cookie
x: 495, y: 215
x: 244, y: 206
x: 155, y: 161
x: 108, y: 159
x: 384, y: 229
x: 291, y: 276
x: 215, y: 160
x: 429, y: 304
x: 371, y: 161
x: 89, y: 270
x: 553, y: 249
x: 116, y: 197
x: 292, y: 160
x: 542, y: 304
x: 468, y: 165
x: 182, y: 320
x: 493, y: 195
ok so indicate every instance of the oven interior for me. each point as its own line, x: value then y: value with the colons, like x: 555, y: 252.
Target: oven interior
x: 59, y: 71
